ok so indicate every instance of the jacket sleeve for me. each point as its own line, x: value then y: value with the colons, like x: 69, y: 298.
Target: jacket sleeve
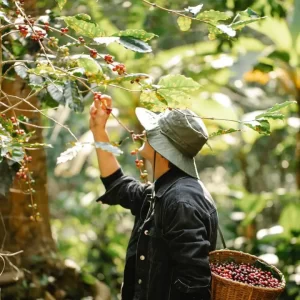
x: 184, y: 229
x: 123, y: 190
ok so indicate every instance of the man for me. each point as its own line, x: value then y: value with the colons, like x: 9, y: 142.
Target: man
x: 175, y: 218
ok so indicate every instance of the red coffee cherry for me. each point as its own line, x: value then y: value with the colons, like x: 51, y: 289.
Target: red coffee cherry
x: 109, y: 59
x: 64, y: 31
x: 93, y: 53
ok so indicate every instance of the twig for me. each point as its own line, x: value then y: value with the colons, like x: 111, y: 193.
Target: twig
x: 50, y: 118
x: 18, y: 103
x: 177, y: 13
x: 11, y: 254
x: 33, y: 125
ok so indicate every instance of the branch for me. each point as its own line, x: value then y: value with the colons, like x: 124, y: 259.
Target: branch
x: 174, y: 12
x: 50, y: 118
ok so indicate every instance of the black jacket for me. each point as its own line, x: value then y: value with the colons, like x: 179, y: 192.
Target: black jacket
x: 167, y: 255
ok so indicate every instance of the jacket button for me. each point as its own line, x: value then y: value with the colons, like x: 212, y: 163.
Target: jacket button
x: 146, y: 232
x: 142, y: 257
x: 140, y: 281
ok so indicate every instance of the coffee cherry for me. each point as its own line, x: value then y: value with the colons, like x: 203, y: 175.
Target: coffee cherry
x: 144, y: 175
x: 245, y: 273
x: 93, y: 53
x: 108, y: 110
x: 53, y: 42
x: 97, y: 96
x: 120, y: 68
x: 38, y: 35
x: 133, y: 152
x: 109, y: 59
x: 23, y: 30
x: 46, y: 26
x: 64, y: 31
x: 81, y: 40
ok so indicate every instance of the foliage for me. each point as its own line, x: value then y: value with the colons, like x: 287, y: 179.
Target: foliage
x: 67, y: 70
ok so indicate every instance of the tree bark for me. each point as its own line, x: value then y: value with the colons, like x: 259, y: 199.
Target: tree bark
x: 34, y: 238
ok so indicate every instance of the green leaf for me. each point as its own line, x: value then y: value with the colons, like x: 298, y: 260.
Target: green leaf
x: 83, y: 27
x: 72, y: 96
x: 84, y: 17
x: 56, y: 92
x: 281, y: 55
x: 69, y: 154
x: 17, y: 152
x: 35, y: 81
x: 150, y: 100
x: 61, y: 3
x: 109, y: 148
x: 260, y: 126
x: 270, y: 116
x: 223, y: 131
x: 250, y: 13
x: 194, y: 10
x: 139, y: 34
x: 227, y: 29
x: 289, y: 218
x: 21, y: 70
x: 212, y: 16
x: 279, y: 106
x: 89, y: 65
x: 241, y: 24
x: 176, y: 89
x: 184, y: 23
x: 135, y: 44
x: 178, y: 82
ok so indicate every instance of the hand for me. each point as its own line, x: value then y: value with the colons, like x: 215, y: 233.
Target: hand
x: 99, y: 113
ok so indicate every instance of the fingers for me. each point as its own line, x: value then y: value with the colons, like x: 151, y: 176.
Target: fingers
x: 101, y: 105
x: 93, y: 111
x: 105, y: 101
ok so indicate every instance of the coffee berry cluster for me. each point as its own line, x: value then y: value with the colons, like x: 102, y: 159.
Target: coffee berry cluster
x: 120, y: 68
x: 245, y: 273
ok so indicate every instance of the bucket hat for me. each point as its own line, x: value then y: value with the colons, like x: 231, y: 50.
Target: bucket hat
x: 176, y: 134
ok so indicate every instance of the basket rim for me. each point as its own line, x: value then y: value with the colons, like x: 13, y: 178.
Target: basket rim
x: 283, y: 282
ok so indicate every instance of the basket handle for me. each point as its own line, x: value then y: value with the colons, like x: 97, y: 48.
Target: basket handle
x: 222, y: 237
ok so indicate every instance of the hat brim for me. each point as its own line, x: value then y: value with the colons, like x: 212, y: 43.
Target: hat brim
x: 160, y: 143
x: 147, y: 118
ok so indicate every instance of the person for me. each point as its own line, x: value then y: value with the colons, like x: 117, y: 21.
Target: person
x: 176, y: 219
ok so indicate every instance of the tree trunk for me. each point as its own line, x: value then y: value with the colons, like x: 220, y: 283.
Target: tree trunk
x: 34, y: 238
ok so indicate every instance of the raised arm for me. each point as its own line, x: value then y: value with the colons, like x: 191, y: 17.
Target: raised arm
x: 99, y: 115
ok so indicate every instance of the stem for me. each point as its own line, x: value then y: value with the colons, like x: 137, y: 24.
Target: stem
x: 50, y: 118
x: 30, y: 25
x: 176, y: 13
x: 11, y: 254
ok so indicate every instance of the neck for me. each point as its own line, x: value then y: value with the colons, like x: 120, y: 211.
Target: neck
x: 161, y: 166
x: 161, y: 171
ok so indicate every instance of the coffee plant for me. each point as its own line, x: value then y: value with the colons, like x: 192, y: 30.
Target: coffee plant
x: 58, y: 75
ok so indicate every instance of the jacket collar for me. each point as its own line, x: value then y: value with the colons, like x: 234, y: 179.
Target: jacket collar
x: 164, y: 182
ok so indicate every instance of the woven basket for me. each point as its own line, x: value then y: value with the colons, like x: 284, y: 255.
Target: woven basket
x: 227, y: 289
